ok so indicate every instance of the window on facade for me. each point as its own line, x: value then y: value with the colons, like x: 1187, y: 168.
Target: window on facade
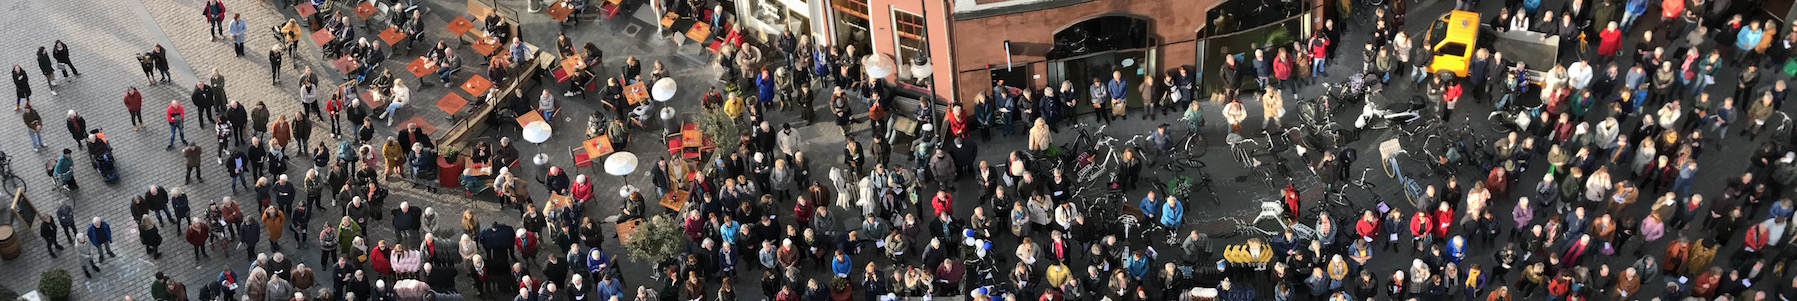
x: 852, y: 12
x: 910, y: 31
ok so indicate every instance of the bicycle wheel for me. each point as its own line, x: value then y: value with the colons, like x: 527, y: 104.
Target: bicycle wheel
x: 1500, y: 123
x: 1194, y: 146
x: 11, y: 184
x: 1387, y: 164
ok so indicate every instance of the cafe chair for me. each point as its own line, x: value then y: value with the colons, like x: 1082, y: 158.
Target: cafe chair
x: 579, y: 154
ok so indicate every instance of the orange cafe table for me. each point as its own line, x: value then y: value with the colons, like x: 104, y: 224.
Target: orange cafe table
x: 420, y: 67
x: 597, y: 147
x: 459, y: 26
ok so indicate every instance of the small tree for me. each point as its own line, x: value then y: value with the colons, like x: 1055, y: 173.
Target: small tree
x: 55, y: 284
x: 656, y: 240
x: 722, y: 129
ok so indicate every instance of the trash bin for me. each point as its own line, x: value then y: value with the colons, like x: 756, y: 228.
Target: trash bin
x: 449, y: 171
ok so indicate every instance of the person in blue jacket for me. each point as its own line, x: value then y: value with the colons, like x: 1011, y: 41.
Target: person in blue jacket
x: 764, y: 85
x: 64, y: 170
x: 1150, y: 206
x: 100, y: 236
x: 1136, y: 265
x: 1634, y: 9
x: 840, y: 266
x: 1456, y: 249
x: 1171, y: 213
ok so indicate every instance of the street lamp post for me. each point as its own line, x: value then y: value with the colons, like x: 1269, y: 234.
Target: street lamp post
x: 921, y: 70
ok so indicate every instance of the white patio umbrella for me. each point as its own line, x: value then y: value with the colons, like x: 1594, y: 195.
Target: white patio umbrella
x: 878, y: 66
x: 663, y: 90
x: 621, y: 164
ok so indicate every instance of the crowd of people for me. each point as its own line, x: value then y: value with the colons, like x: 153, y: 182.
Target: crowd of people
x: 1609, y: 139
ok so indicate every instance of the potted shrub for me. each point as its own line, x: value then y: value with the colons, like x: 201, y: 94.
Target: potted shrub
x: 55, y: 284
x: 656, y: 240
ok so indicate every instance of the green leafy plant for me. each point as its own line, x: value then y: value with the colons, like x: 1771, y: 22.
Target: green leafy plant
x: 6, y: 294
x: 655, y: 240
x: 722, y: 130
x: 55, y: 284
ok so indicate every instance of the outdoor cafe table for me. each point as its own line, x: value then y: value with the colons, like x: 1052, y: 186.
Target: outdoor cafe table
x: 451, y: 103
x: 476, y: 85
x: 699, y: 31
x: 636, y: 93
x: 364, y: 10
x: 392, y: 36
x: 305, y: 9
x: 484, y: 45
x: 344, y: 65
x: 674, y: 200
x: 420, y: 67
x: 691, y: 137
x: 570, y: 66
x: 527, y: 118
x: 560, y: 11
x: 478, y: 169
x: 597, y: 147
x: 626, y: 228
x: 322, y: 36
x: 459, y: 26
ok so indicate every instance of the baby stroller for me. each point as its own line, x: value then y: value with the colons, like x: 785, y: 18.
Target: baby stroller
x: 100, y: 152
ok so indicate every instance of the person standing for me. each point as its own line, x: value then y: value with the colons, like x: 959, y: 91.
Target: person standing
x: 149, y: 236
x: 176, y: 116
x: 202, y: 102
x: 274, y: 65
x: 134, y: 104
x: 34, y: 126
x: 196, y: 235
x: 61, y: 53
x: 160, y: 56
x: 239, y: 32
x: 77, y: 128
x: 46, y: 228
x: 1118, y: 90
x: 334, y: 107
x: 215, y: 15
x: 99, y: 234
x: 192, y: 154
x: 47, y: 67
x: 274, y: 220
x: 21, y: 86
x: 238, y: 118
x: 238, y: 165
x: 219, y: 98
x: 302, y: 131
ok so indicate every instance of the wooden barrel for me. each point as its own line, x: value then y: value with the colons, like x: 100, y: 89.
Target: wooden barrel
x: 9, y: 243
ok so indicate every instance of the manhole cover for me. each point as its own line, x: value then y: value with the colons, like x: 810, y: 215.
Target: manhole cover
x: 632, y: 29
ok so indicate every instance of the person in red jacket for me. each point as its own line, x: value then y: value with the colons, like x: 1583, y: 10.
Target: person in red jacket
x: 1282, y: 70
x: 1609, y: 43
x: 134, y: 104
x: 196, y: 235
x: 1419, y: 232
x: 1290, y: 195
x: 1444, y: 218
x: 1368, y: 227
x: 1319, y: 52
x: 1755, y: 240
x: 1449, y: 98
x: 943, y: 203
x: 176, y: 116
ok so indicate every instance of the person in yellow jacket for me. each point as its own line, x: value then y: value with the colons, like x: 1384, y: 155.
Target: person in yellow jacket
x: 1057, y: 274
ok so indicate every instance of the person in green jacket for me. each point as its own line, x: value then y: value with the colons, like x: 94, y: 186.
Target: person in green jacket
x: 347, y: 230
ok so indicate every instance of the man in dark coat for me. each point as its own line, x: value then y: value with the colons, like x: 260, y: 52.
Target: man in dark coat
x: 157, y: 200
x: 406, y: 221
x: 202, y: 100
x: 239, y: 118
x: 497, y: 242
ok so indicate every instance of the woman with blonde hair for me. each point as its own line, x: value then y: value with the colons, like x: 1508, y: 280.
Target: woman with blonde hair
x: 393, y: 156
x: 1040, y: 140
x: 149, y: 236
